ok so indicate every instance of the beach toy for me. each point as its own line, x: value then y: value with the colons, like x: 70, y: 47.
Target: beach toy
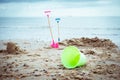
x: 53, y: 44
x: 71, y: 57
x: 58, y: 19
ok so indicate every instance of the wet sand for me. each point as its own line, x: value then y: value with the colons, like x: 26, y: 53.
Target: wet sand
x: 35, y: 60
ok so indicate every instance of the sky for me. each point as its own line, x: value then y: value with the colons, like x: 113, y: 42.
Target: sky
x: 36, y: 8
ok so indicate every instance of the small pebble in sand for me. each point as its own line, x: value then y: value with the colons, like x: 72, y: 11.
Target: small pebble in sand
x: 16, y: 65
x: 16, y: 70
x: 22, y: 75
x: 5, y: 69
x: 54, y: 79
x: 25, y: 65
x: 36, y: 74
x: 13, y: 63
x: 36, y: 70
x: 46, y: 60
x: 45, y: 71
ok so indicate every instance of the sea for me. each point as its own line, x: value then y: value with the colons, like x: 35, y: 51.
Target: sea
x: 36, y: 28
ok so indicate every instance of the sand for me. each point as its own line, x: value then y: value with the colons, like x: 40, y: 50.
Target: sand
x: 35, y: 60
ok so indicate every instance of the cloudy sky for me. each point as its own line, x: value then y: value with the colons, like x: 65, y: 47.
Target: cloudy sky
x: 36, y: 8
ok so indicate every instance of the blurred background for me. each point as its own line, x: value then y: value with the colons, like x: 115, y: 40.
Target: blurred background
x: 25, y: 19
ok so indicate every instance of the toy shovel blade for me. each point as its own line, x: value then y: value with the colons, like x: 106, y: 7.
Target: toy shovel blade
x: 54, y: 45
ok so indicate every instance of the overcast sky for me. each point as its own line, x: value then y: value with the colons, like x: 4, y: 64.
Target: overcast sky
x: 35, y: 8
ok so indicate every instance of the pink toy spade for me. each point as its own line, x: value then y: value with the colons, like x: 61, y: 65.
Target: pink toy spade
x: 53, y: 44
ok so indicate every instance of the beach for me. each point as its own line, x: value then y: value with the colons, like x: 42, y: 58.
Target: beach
x: 25, y: 52
x: 59, y: 40
x: 36, y: 60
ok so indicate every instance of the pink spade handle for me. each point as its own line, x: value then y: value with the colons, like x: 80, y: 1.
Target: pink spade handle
x: 53, y: 44
x: 47, y: 12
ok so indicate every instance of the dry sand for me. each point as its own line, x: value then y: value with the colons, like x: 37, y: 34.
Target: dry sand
x: 25, y: 60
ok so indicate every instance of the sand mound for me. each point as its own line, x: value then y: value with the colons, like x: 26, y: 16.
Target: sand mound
x: 12, y: 48
x: 91, y: 42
